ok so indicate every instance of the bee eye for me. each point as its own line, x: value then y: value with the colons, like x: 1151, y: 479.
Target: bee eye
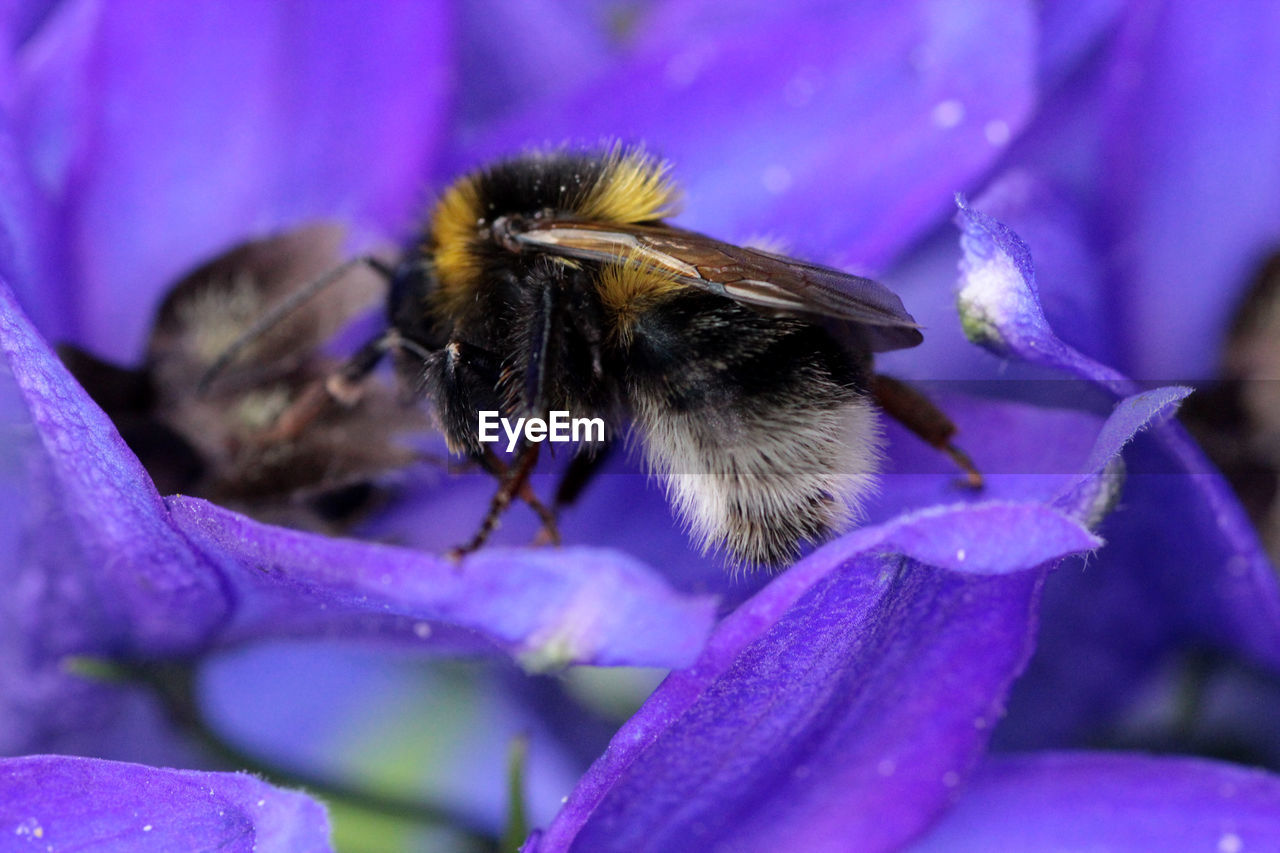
x: 504, y: 230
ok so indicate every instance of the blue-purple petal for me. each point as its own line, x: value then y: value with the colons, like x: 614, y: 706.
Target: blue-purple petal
x: 65, y: 803
x: 1182, y: 567
x: 546, y: 607
x: 1071, y: 280
x: 21, y: 18
x: 793, y: 729
x: 1069, y: 31
x: 1184, y: 562
x: 959, y: 537
x: 514, y: 55
x: 163, y: 136
x: 999, y: 279
x: 1191, y: 183
x: 841, y: 132
x: 1060, y: 458
x: 24, y: 225
x: 1000, y: 305
x: 98, y: 558
x: 1238, y: 602
x: 1092, y: 494
x: 1085, y: 801
x: 845, y: 700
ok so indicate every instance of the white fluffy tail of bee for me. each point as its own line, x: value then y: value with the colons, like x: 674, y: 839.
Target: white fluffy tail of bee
x: 757, y: 482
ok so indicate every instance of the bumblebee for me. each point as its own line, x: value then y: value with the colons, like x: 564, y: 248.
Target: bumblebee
x: 237, y: 445
x: 553, y: 281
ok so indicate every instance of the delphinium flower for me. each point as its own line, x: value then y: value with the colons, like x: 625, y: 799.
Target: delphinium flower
x: 848, y: 702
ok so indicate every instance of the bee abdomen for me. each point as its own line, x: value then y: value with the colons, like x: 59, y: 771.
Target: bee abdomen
x: 759, y: 480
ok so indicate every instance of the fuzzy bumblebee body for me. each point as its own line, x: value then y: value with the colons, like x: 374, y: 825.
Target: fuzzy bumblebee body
x: 552, y: 282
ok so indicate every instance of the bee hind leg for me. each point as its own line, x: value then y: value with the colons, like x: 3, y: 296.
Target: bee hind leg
x: 581, y: 471
x: 911, y: 408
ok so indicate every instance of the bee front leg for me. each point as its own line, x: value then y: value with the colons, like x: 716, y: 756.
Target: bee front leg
x: 549, y: 533
x: 911, y: 408
x: 514, y: 481
x: 344, y: 387
x: 582, y: 469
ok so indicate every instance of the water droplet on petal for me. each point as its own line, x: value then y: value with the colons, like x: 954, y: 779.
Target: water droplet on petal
x: 997, y: 132
x: 947, y: 114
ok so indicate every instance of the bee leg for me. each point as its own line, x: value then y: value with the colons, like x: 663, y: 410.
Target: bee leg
x: 549, y: 534
x: 343, y: 386
x: 516, y: 478
x: 581, y: 471
x: 911, y: 408
x: 545, y: 323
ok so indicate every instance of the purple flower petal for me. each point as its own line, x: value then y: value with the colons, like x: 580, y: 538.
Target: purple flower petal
x: 23, y: 18
x: 1070, y: 272
x: 125, y: 579
x: 1192, y: 184
x: 54, y: 605
x: 841, y: 132
x: 1000, y: 306
x: 853, y: 693
x: 23, y: 225
x: 63, y: 803
x: 1069, y: 29
x: 959, y: 537
x: 547, y: 607
x: 1238, y: 605
x: 1131, y: 416
x: 90, y: 565
x: 1181, y: 567
x: 816, y: 711
x: 512, y: 55
x: 1111, y: 802
x: 163, y: 133
x: 1183, y: 554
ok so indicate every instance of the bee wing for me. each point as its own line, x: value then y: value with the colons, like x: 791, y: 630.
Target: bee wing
x: 753, y: 277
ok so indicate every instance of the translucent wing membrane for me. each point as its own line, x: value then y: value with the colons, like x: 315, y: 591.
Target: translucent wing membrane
x: 761, y: 279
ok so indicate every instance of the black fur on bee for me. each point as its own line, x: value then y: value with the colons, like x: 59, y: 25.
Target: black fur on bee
x: 552, y: 282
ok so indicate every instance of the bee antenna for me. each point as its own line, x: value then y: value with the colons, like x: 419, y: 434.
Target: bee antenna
x: 283, y: 309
